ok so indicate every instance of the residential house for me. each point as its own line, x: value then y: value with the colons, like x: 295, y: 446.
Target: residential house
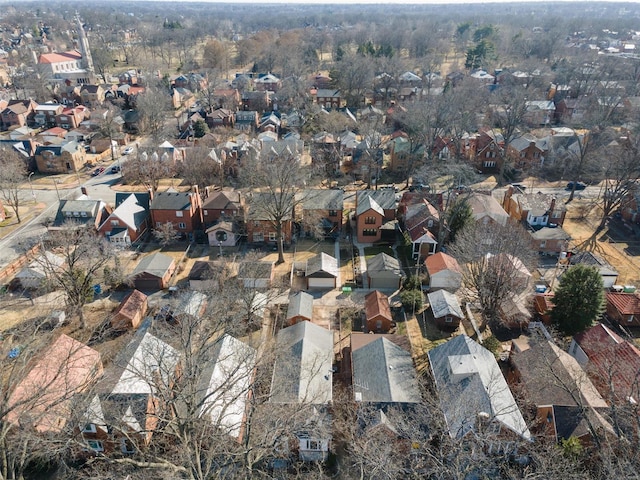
x: 611, y: 362
x: 220, y: 117
x: 539, y: 113
x: 54, y: 135
x: 550, y: 240
x: 303, y: 375
x: 45, y: 114
x: 44, y: 398
x: 322, y: 271
x: 182, y: 209
x: 17, y: 113
x: 328, y: 98
x: 375, y: 213
x: 534, y: 209
x: 71, y: 118
x: 127, y: 404
x: 256, y: 274
x: 607, y: 272
x: 300, y: 308
x: 527, y: 151
x: 153, y: 272
x: 246, y: 121
x: 421, y: 222
x: 223, y: 204
x: 182, y: 98
x: 402, y: 151
x: 83, y: 211
x: 382, y: 370
x: 92, y: 95
x: 65, y: 158
x: 130, y: 312
x: 487, y: 151
x: 35, y: 274
x: 624, y: 308
x: 255, y: 101
x: 323, y: 210
x: 222, y: 234
x: 483, y: 77
x: 487, y: 209
x: 260, y: 225
x: 191, y: 304
x: 129, y: 220
x: 445, y: 309
x: 572, y: 110
x: 268, y: 82
x: 475, y: 396
x: 377, y: 313
x: 384, y: 272
x: 444, y: 272
x: 565, y: 400
x: 226, y: 385
x: 514, y: 309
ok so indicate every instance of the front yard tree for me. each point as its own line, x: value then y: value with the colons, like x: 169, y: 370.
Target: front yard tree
x: 165, y: 234
x: 279, y: 183
x: 85, y: 254
x: 148, y: 169
x: 578, y: 300
x: 153, y: 105
x: 13, y: 172
x: 493, y: 258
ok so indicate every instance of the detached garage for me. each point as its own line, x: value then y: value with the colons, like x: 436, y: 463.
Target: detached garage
x: 384, y: 272
x: 154, y: 272
x: 322, y: 272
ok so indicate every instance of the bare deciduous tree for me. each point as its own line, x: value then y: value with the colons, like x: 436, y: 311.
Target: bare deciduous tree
x: 13, y: 172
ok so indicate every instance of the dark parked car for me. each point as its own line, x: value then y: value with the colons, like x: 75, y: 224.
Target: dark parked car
x: 115, y: 169
x: 579, y: 185
x: 97, y: 171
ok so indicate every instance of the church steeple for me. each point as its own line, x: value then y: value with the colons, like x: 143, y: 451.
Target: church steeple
x: 83, y: 44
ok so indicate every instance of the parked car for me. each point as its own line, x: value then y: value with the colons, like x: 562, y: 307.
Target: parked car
x: 97, y: 171
x: 115, y: 169
x: 579, y: 185
x: 127, y: 151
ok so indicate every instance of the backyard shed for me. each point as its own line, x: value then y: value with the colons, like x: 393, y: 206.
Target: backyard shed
x: 446, y: 309
x: 300, y: 307
x: 322, y: 271
x: 154, y: 272
x: 377, y: 312
x: 130, y: 312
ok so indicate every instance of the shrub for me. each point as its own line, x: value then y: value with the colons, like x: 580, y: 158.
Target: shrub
x: 412, y: 283
x: 412, y: 300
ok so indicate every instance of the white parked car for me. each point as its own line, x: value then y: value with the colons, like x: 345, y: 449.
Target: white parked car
x: 128, y: 151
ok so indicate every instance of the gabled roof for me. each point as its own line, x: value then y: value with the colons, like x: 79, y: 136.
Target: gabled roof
x: 130, y: 212
x: 38, y: 267
x: 66, y: 367
x: 469, y: 384
x: 547, y: 233
x: 132, y: 304
x: 367, y: 204
x: 250, y: 270
x: 417, y: 214
x: 538, y: 204
x: 261, y: 204
x: 323, y: 199
x: 383, y: 372
x: 590, y: 259
x: 384, y: 263
x: 171, y: 201
x: 485, y: 205
x: 625, y: 303
x: 60, y: 57
x: 385, y: 198
x: 300, y: 304
x: 377, y: 303
x: 227, y: 377
x: 444, y: 303
x: 222, y: 200
x: 322, y: 263
x: 303, y: 371
x: 155, y: 264
x: 441, y: 261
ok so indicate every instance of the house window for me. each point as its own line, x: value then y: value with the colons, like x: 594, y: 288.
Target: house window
x: 182, y: 225
x: 429, y: 223
x: 523, y: 154
x: 543, y: 244
x: 370, y: 232
x: 206, y: 212
x: 95, y: 445
x: 126, y: 446
x: 179, y: 213
x: 448, y: 319
x: 556, y: 214
x: 311, y: 445
x: 272, y: 236
x: 370, y: 220
x: 489, y: 164
x: 115, y: 223
x: 221, y: 236
x: 630, y: 319
x: 83, y: 214
x: 258, y: 237
x: 89, y: 428
x: 333, y: 213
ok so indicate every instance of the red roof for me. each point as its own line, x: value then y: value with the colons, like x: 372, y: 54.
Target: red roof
x: 55, y: 131
x: 377, y: 303
x: 60, y: 57
x: 611, y: 358
x: 625, y: 303
x: 441, y: 261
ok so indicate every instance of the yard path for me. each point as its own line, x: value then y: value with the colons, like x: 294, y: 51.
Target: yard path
x: 418, y: 350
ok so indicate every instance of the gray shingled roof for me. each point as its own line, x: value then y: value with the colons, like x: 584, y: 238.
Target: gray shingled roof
x: 385, y: 198
x: 300, y: 304
x: 384, y: 373
x: 322, y: 263
x: 323, y: 200
x: 156, y: 264
x: 171, y: 201
x: 444, y: 303
x: 367, y: 204
x: 546, y: 233
x: 470, y: 383
x: 384, y: 263
x: 303, y: 372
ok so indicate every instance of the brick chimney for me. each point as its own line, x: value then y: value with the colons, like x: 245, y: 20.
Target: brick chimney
x: 507, y: 197
x: 552, y: 207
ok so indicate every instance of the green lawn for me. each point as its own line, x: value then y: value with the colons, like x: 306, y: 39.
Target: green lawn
x: 373, y: 251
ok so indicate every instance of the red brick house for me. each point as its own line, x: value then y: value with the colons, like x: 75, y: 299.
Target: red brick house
x: 488, y: 151
x: 220, y: 117
x: 624, y: 308
x: 129, y: 220
x: 71, y: 118
x: 328, y: 98
x: 17, y: 113
x: 259, y: 223
x: 526, y: 152
x: 153, y: 272
x: 226, y: 204
x: 534, y: 209
x: 377, y: 312
x: 375, y: 209
x: 182, y: 209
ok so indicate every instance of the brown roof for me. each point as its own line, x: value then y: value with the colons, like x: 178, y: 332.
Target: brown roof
x: 223, y: 200
x: 60, y: 57
x: 44, y: 395
x: 359, y: 340
x: 625, y: 303
x: 377, y: 303
x: 132, y: 304
x: 543, y: 303
x: 441, y: 261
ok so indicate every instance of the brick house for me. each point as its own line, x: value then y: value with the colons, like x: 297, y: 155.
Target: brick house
x: 182, y: 209
x: 259, y: 224
x: 71, y: 118
x: 534, y: 209
x: 45, y: 114
x: 225, y: 204
x: 487, y: 151
x: 526, y: 151
x: 377, y: 312
x: 220, y: 117
x: 550, y: 240
x: 129, y: 220
x: 323, y: 208
x: 374, y: 210
x: 92, y: 95
x: 328, y: 98
x: 624, y: 308
x: 65, y: 158
x: 18, y: 113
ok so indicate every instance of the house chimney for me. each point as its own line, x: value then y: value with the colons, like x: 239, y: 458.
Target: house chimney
x: 507, y: 197
x: 206, y: 192
x: 553, y: 205
x: 150, y: 192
